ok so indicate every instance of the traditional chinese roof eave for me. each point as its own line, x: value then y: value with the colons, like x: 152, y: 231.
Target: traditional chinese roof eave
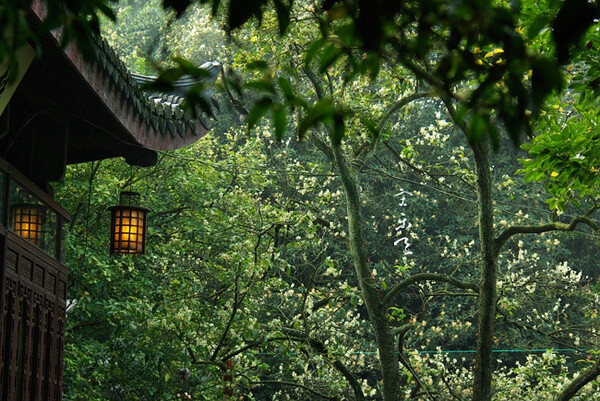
x: 147, y: 124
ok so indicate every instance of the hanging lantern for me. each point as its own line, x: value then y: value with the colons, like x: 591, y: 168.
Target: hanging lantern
x: 128, y: 225
x: 28, y: 221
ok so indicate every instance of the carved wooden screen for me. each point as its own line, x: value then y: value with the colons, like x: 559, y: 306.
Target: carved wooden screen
x: 33, y: 321
x: 32, y: 299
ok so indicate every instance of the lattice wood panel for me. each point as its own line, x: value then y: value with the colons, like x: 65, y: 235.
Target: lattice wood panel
x: 32, y: 322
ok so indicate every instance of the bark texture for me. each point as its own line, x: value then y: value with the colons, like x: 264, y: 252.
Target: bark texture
x: 482, y: 386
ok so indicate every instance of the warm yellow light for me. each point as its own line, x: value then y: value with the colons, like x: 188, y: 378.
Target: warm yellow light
x: 28, y: 221
x: 128, y: 229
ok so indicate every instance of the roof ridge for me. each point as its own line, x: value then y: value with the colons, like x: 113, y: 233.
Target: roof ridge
x: 151, y: 106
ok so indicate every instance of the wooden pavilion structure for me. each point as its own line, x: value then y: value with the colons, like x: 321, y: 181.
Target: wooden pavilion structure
x: 62, y: 109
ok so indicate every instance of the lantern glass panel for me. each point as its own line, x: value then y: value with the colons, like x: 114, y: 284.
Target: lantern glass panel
x: 128, y: 229
x: 30, y: 219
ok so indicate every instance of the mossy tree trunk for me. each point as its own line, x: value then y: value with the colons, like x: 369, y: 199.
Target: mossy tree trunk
x: 388, y: 358
x: 487, y: 288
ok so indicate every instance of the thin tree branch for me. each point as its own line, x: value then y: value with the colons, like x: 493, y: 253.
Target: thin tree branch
x: 298, y: 385
x: 450, y: 294
x: 398, y: 105
x: 421, y: 73
x: 319, y: 92
x: 402, y: 179
x: 253, y: 345
x: 450, y: 389
x: 445, y: 93
x: 192, y: 354
x: 236, y: 302
x: 421, y: 277
x: 175, y: 211
x: 402, y: 330
x: 337, y: 364
x: 367, y: 150
x: 322, y: 145
x: 580, y: 381
x: 401, y: 159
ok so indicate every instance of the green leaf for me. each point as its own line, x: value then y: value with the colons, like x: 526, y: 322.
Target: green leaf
x: 319, y: 112
x: 279, y: 120
x: 339, y: 127
x: 371, y: 127
x: 107, y: 11
x: 259, y: 65
x: 540, y: 22
x: 258, y: 111
x: 494, y: 136
x: 571, y: 22
x: 328, y: 56
x: 371, y: 65
x: 397, y: 313
x: 477, y: 127
x: 312, y: 51
x: 546, y: 77
x: 261, y: 86
x: 286, y: 88
x: 461, y: 112
x: 196, y: 98
x: 170, y: 75
x: 283, y: 15
x: 240, y: 11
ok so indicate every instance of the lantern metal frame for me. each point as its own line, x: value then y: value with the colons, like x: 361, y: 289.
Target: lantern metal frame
x: 128, y: 225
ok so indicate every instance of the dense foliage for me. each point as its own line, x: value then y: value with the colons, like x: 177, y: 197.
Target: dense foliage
x: 283, y: 265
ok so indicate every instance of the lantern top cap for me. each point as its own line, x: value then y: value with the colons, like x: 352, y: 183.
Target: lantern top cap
x: 29, y: 205
x: 129, y: 198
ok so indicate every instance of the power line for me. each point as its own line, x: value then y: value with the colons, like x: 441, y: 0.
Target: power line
x: 503, y: 351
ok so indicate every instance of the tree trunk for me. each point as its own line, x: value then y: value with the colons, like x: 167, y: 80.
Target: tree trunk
x: 487, y: 287
x: 388, y: 358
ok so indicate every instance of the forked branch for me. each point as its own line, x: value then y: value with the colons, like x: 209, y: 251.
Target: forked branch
x: 542, y: 228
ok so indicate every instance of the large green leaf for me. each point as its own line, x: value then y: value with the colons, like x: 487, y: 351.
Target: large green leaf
x: 258, y: 110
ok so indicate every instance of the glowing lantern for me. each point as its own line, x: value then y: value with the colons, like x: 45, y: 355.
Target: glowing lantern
x: 27, y: 222
x: 128, y: 225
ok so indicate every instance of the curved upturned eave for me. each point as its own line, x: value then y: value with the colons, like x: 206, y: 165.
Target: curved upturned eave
x: 127, y: 114
x: 124, y: 109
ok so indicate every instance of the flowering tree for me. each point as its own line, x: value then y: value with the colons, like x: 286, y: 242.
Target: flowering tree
x: 349, y: 78
x: 368, y: 114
